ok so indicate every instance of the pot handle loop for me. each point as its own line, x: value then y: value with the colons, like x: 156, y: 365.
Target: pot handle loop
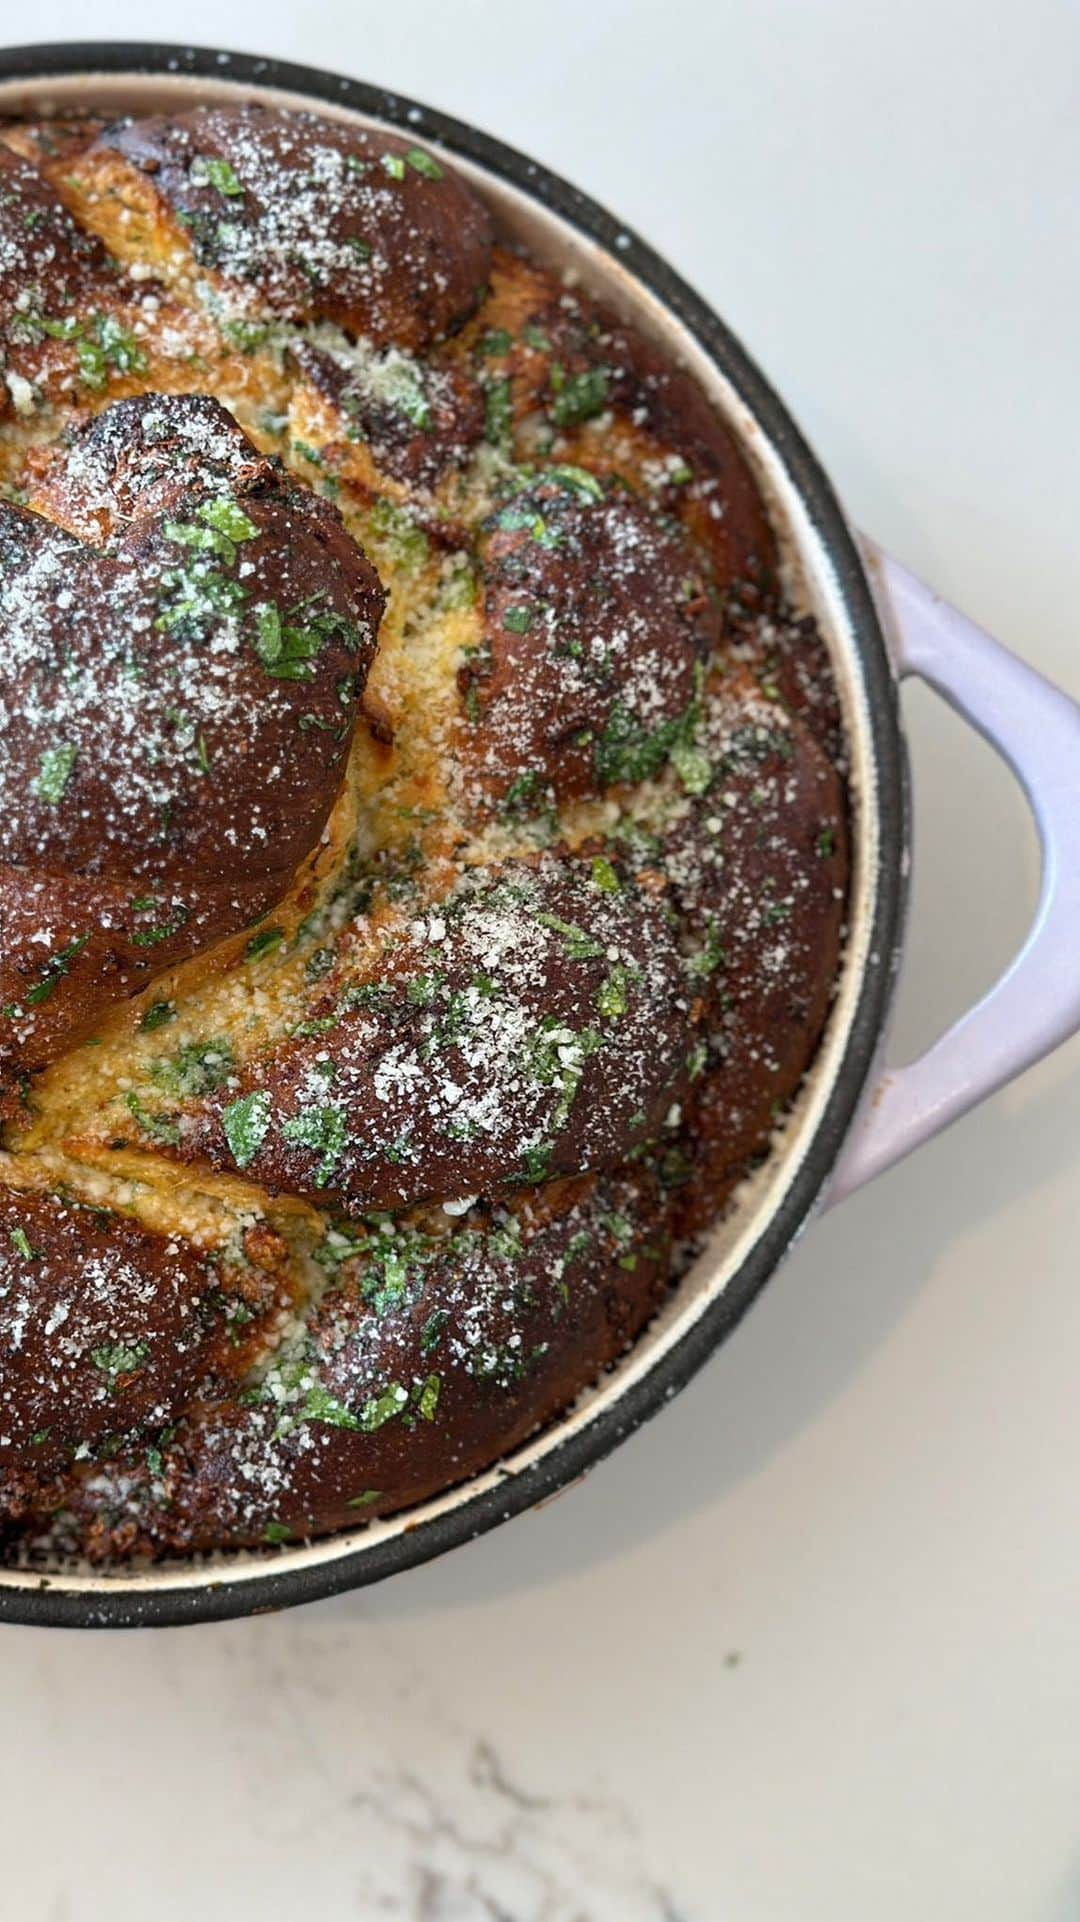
x: 1035, y: 1005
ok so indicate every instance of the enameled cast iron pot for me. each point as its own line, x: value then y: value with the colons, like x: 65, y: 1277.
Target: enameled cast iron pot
x: 852, y: 1119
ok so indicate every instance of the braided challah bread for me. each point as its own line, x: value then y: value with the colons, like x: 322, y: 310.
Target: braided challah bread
x: 423, y: 839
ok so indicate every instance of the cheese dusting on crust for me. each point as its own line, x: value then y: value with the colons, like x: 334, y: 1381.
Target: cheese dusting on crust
x: 423, y: 852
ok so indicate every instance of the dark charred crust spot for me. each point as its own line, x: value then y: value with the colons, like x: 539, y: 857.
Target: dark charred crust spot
x: 415, y: 418
x: 308, y: 220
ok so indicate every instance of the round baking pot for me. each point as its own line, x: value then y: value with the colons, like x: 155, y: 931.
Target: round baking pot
x: 851, y: 1119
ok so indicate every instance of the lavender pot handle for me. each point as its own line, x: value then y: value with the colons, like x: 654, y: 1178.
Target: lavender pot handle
x: 1035, y: 1005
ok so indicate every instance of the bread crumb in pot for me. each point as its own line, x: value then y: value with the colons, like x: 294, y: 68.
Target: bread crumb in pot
x: 423, y: 852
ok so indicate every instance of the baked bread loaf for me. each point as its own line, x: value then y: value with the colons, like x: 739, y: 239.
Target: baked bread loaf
x: 423, y: 843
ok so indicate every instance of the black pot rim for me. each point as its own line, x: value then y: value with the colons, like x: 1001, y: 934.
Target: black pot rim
x: 46, y: 1601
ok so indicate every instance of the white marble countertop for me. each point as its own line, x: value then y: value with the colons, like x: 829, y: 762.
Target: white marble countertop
x: 808, y: 1648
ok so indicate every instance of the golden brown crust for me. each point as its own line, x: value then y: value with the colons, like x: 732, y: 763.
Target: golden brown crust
x: 107, y: 1331
x: 530, y: 1025
x: 422, y: 1362
x: 568, y: 378
x: 53, y: 277
x: 369, y: 1047
x: 758, y: 867
x: 304, y: 219
x: 597, y: 623
x: 180, y: 684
